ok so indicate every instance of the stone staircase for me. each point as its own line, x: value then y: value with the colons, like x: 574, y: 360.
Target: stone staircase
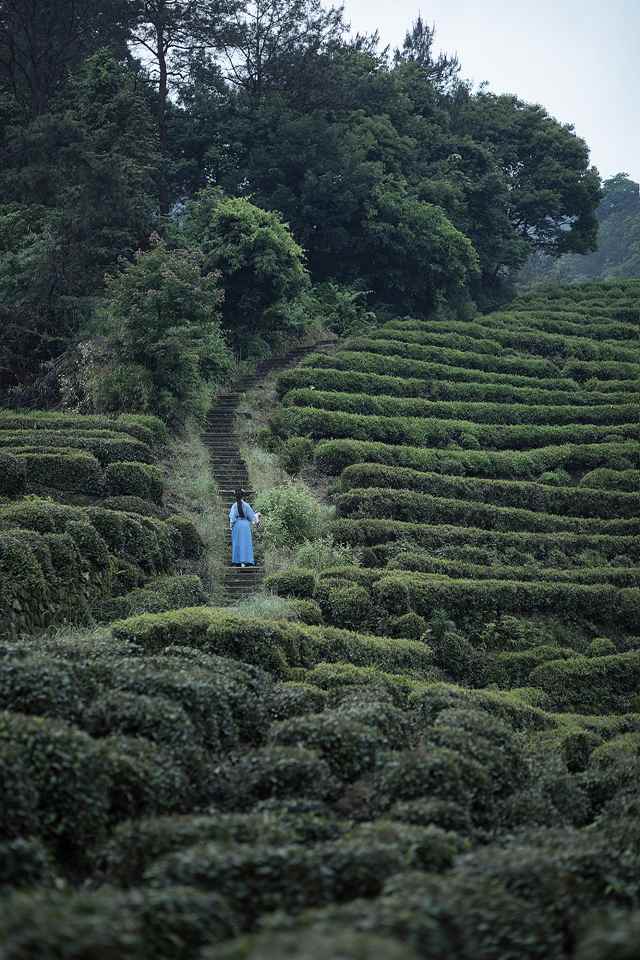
x: 230, y: 470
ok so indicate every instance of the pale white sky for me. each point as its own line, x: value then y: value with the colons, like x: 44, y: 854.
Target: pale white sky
x: 579, y: 58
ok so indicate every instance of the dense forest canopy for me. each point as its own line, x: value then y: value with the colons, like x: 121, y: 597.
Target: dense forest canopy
x: 394, y: 177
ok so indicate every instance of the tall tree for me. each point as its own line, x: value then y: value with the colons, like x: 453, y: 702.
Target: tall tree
x: 42, y: 41
x: 272, y: 37
x: 78, y: 193
x: 168, y: 34
x: 443, y: 70
x: 553, y: 192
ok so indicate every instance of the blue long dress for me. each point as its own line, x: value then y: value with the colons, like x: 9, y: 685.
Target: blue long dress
x: 241, y: 541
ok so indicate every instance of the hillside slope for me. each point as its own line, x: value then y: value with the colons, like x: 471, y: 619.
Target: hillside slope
x: 441, y: 757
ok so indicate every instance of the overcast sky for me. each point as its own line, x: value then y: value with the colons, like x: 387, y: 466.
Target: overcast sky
x: 579, y: 58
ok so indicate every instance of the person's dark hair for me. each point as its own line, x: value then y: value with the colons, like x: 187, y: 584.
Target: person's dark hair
x: 239, y: 495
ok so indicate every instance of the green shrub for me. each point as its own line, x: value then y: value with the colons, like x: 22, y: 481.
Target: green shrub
x: 192, y: 545
x: 332, y: 456
x: 295, y: 454
x: 71, y: 471
x: 274, y: 645
x: 347, y: 605
x: 134, y: 479
x: 441, y: 813
x: 170, y: 924
x: 71, y: 808
x: 322, y: 424
x: 13, y: 475
x: 295, y: 699
x: 134, y: 505
x: 294, y: 582
x: 613, y: 937
x: 145, y: 779
x: 601, y: 647
x: 291, y: 515
x: 348, y: 747
x: 135, y: 715
x: 24, y: 863
x: 606, y: 480
x: 134, y: 845
x: 273, y: 772
x: 160, y: 594
x: 431, y: 772
x: 309, y: 945
x: 106, y: 445
x: 602, y: 684
x: 410, y: 625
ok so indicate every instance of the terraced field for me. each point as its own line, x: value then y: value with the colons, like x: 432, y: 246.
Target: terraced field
x: 83, y: 534
x: 439, y: 757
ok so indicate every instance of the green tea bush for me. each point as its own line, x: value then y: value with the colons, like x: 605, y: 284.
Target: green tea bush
x: 71, y: 470
x: 590, y: 684
x: 160, y: 594
x: 137, y: 715
x: 614, y: 937
x: 348, y: 747
x: 321, y: 424
x: 568, y: 501
x: 431, y: 771
x: 413, y: 507
x: 309, y: 945
x: 107, y: 446
x: 191, y: 543
x: 332, y: 456
x: 545, y: 414
x: 273, y: 772
x: 145, y: 778
x: 13, y: 475
x: 70, y: 809
x: 296, y: 699
x: 293, y: 582
x: 169, y: 924
x: 134, y: 479
x: 24, y: 863
x: 603, y: 479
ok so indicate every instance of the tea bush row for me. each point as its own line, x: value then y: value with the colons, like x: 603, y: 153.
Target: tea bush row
x: 568, y: 501
x: 417, y: 507
x: 473, y: 337
x: 276, y: 646
x: 371, y: 532
x: 345, y: 380
x: 321, y: 424
x: 332, y: 456
x: 479, y: 413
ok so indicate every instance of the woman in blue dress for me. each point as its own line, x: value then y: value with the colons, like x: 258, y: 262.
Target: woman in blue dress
x: 241, y: 516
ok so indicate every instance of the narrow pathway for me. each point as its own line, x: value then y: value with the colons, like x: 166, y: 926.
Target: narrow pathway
x: 229, y: 469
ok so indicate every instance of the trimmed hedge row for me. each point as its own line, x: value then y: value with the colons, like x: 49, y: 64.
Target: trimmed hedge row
x: 623, y: 480
x: 361, y: 362
x: 271, y: 644
x: 569, y: 501
x: 106, y: 446
x: 473, y: 336
x: 400, y: 592
x: 491, y: 413
x: 427, y: 563
x: 489, y: 362
x: 149, y: 429
x: 415, y: 507
x: 332, y: 456
x: 157, y: 596
x: 377, y: 384
x: 170, y: 924
x: 70, y: 470
x: 322, y: 424
x: 372, y: 532
x: 134, y: 479
x: 58, y: 562
x: 13, y: 475
x: 593, y: 685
